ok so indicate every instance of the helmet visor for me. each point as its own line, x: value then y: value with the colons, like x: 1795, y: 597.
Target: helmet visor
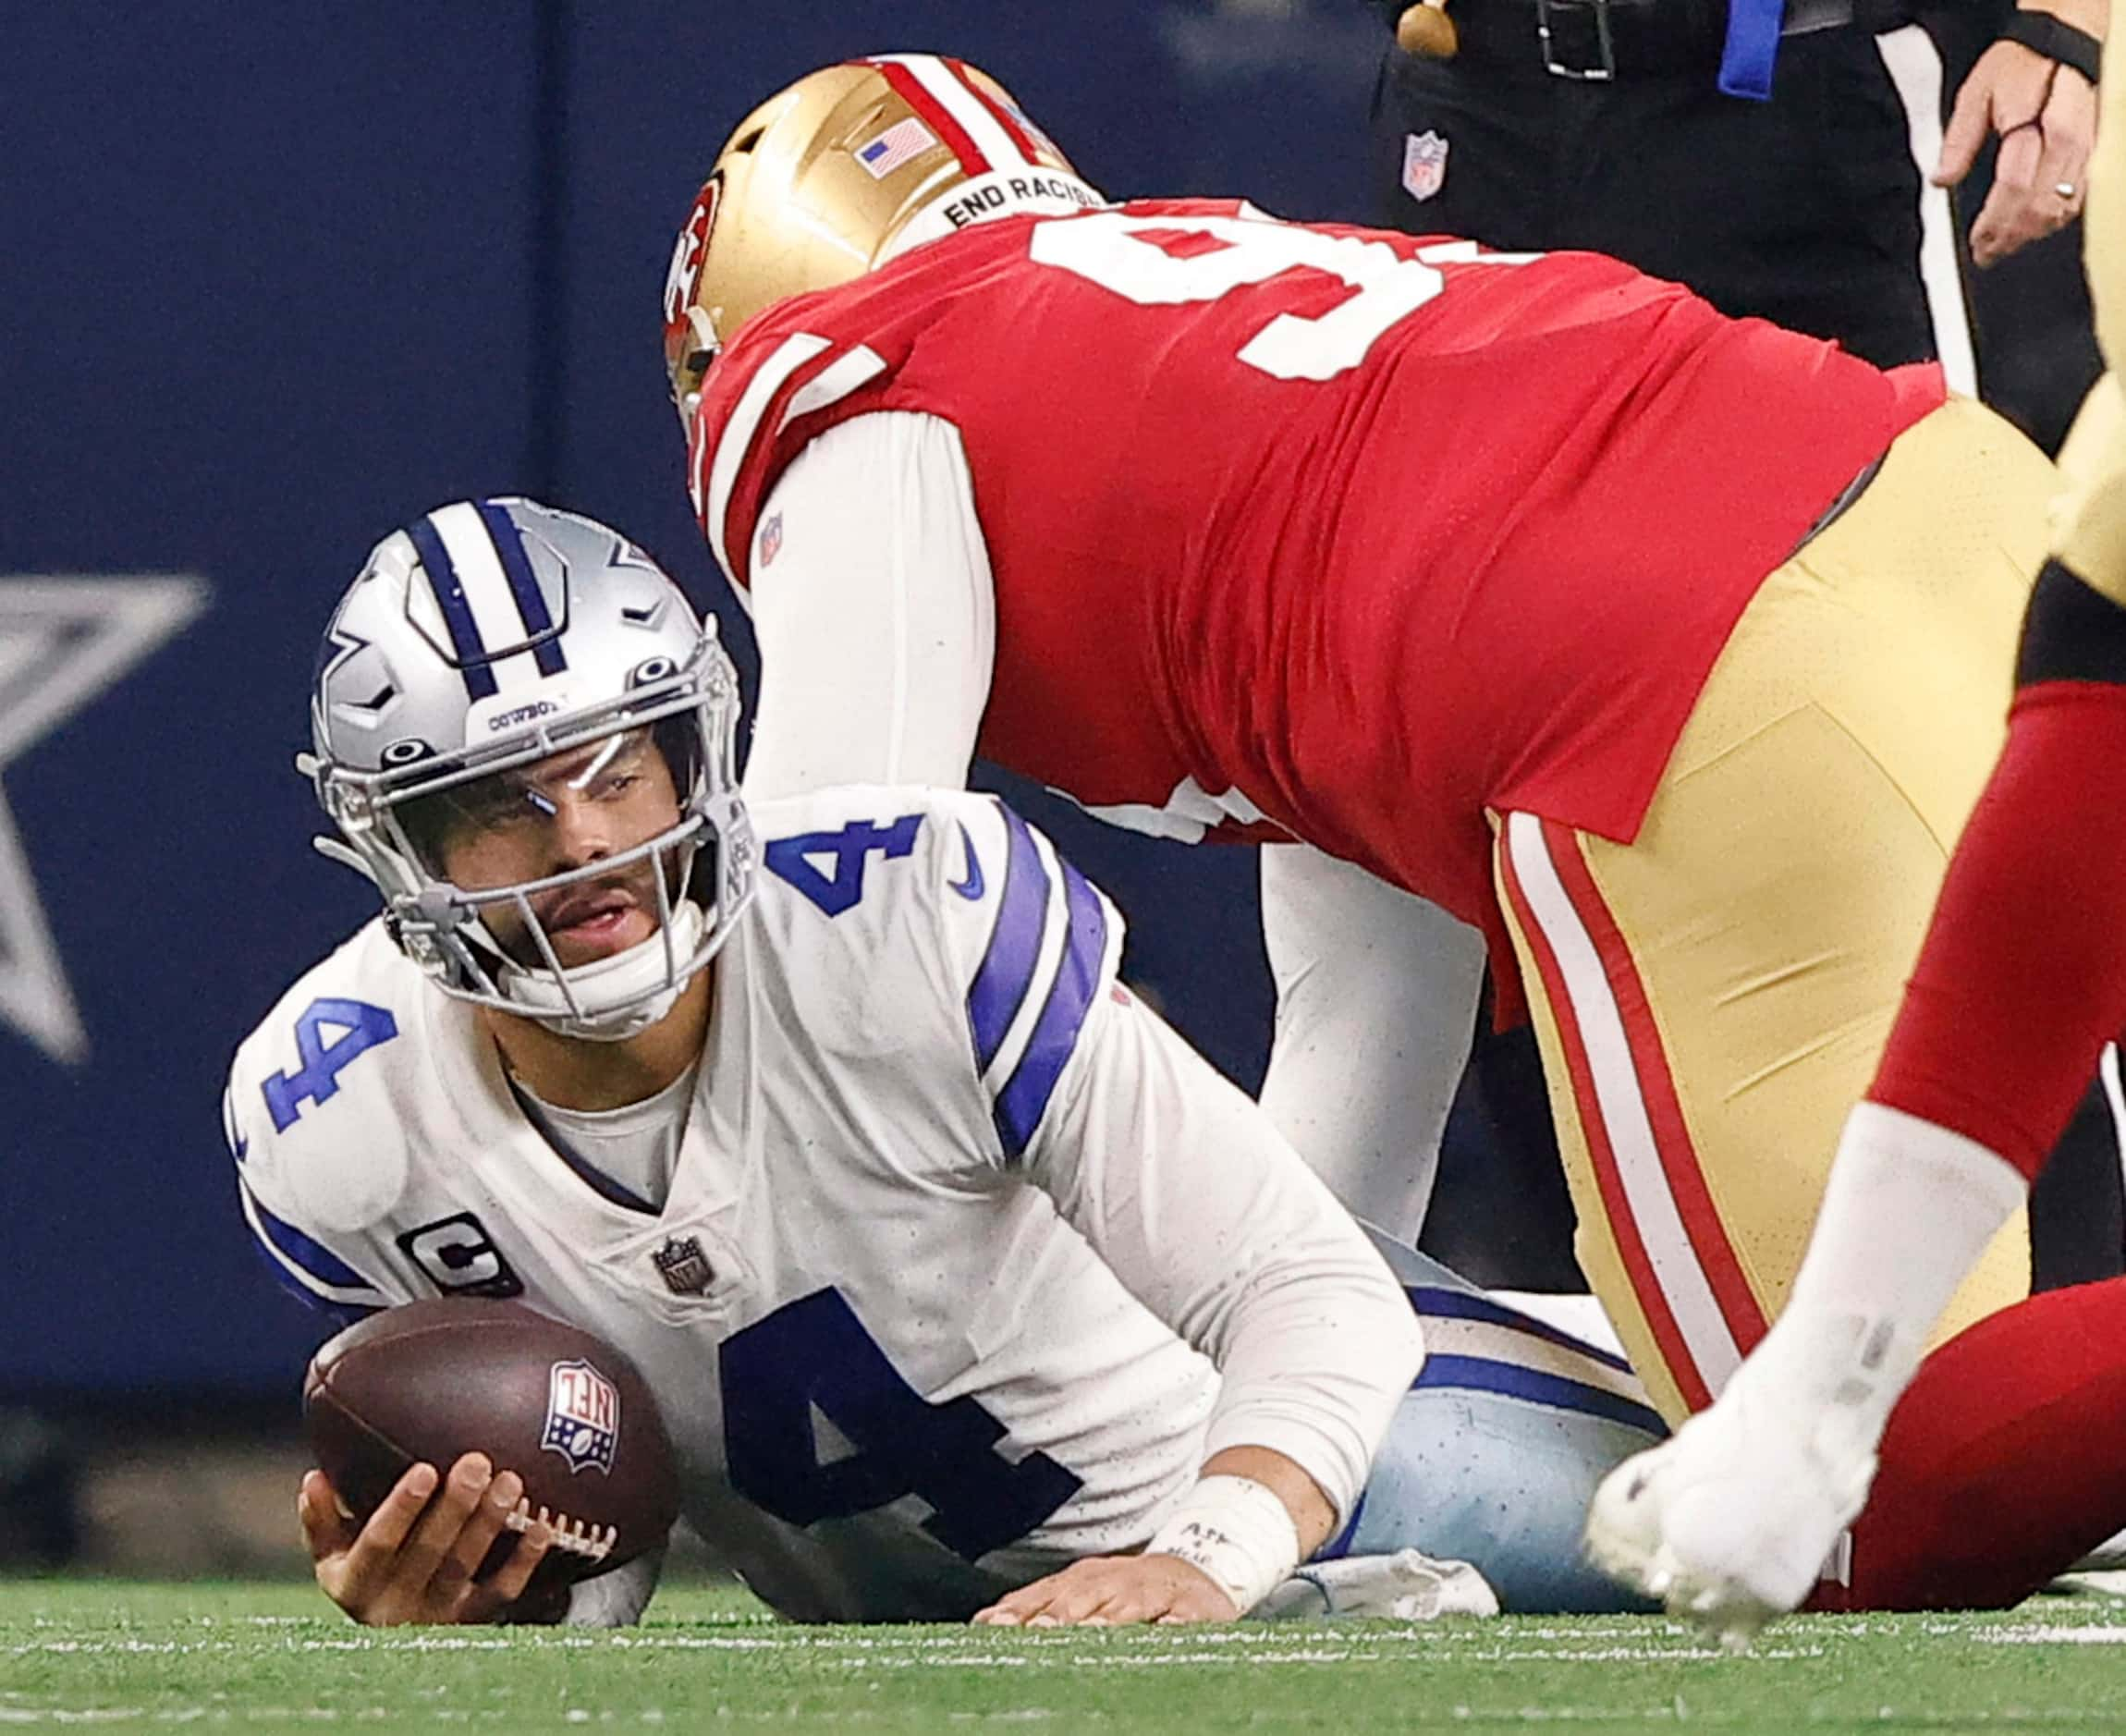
x: 560, y: 845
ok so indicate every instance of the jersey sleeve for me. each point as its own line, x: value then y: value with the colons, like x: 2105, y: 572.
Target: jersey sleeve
x: 786, y: 379
x: 317, y: 1161
x: 1032, y: 950
x: 1377, y: 997
x: 307, y: 1265
x: 874, y: 609
x: 1177, y: 1179
x: 1207, y: 1215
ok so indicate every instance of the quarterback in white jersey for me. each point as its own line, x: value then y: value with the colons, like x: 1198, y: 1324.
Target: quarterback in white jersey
x: 963, y: 1284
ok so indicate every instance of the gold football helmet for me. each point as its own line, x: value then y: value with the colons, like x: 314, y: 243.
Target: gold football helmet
x: 847, y: 168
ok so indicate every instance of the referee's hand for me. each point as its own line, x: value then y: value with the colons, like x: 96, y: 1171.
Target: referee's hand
x: 2046, y: 114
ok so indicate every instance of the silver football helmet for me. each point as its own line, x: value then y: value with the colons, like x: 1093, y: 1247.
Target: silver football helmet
x: 526, y: 739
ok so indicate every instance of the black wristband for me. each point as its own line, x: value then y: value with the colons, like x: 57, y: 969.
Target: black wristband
x: 2056, y: 40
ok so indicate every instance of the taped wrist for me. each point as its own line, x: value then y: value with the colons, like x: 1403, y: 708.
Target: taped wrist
x: 1239, y: 1534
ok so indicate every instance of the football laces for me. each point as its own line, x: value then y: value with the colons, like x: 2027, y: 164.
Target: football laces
x: 593, y: 1543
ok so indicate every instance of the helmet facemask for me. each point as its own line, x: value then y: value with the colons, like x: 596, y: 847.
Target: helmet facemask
x: 473, y: 849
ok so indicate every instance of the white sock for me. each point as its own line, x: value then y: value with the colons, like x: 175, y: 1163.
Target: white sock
x: 1908, y: 1209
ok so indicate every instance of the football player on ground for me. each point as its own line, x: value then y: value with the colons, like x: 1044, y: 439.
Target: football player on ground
x: 1655, y: 646
x: 963, y: 1283
x: 2022, y: 981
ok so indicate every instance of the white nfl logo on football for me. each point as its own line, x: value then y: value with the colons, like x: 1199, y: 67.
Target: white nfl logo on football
x: 582, y: 1417
x: 1423, y: 165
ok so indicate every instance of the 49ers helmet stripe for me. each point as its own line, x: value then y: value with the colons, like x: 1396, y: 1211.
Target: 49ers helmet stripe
x: 948, y: 104
x: 1014, y: 123
x: 941, y: 120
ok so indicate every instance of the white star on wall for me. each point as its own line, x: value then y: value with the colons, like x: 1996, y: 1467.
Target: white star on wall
x: 63, y: 641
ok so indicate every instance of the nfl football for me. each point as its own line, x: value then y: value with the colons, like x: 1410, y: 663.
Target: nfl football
x: 433, y: 1380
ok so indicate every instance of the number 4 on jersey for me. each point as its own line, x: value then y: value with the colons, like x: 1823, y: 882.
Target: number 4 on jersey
x: 361, y: 1027
x: 797, y: 859
x: 812, y: 1358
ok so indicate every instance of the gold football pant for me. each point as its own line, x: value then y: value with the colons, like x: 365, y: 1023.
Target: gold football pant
x: 1711, y: 997
x: 2090, y: 519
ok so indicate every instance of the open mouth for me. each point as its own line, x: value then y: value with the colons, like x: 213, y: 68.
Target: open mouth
x: 601, y: 923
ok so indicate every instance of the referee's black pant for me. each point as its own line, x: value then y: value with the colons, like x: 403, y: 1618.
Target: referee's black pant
x: 1805, y: 210
x: 1811, y: 210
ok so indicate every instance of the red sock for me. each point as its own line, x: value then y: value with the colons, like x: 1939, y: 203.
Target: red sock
x: 2004, y: 1462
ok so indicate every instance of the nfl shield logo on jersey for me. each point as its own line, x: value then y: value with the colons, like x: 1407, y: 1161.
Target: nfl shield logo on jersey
x: 683, y: 1266
x: 1423, y: 164
x: 582, y: 1416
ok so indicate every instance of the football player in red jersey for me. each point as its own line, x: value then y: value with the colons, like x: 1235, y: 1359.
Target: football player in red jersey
x: 2020, y: 984
x: 1665, y: 652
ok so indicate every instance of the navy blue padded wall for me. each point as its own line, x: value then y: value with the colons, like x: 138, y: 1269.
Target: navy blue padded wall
x: 274, y: 278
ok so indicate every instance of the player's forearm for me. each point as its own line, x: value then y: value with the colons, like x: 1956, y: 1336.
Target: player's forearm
x: 1377, y: 1004
x: 1314, y: 1515
x: 875, y: 611
x: 1314, y: 1360
x: 1203, y: 1210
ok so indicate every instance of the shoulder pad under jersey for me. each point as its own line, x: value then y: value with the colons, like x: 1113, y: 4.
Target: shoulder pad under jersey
x: 927, y: 922
x: 316, y: 1116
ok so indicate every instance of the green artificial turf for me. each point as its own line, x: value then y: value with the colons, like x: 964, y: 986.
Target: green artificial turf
x: 105, y: 1654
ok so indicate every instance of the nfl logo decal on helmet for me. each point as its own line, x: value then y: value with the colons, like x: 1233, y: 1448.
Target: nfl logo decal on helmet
x: 582, y: 1417
x: 1423, y: 165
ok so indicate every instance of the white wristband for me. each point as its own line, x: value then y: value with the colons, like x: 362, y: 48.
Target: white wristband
x: 1238, y: 1532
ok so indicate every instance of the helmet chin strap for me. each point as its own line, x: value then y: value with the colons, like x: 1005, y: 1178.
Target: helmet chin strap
x: 614, y: 998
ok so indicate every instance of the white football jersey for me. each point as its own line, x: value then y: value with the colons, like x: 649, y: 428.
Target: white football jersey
x: 958, y: 1241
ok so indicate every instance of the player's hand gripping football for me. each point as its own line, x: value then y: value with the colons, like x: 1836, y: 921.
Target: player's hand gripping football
x: 415, y: 1558
x: 1113, y: 1590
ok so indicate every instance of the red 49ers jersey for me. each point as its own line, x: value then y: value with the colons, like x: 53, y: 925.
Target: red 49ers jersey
x: 1368, y: 533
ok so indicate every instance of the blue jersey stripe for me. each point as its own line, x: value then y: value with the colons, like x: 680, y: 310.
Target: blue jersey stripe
x: 1006, y: 973
x: 450, y: 593
x: 1024, y: 1099
x: 299, y: 1250
x: 341, y: 1315
x: 1484, y: 1373
x: 1456, y: 1304
x: 523, y: 585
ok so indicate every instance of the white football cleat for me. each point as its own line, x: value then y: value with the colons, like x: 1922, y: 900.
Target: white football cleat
x: 1730, y: 1522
